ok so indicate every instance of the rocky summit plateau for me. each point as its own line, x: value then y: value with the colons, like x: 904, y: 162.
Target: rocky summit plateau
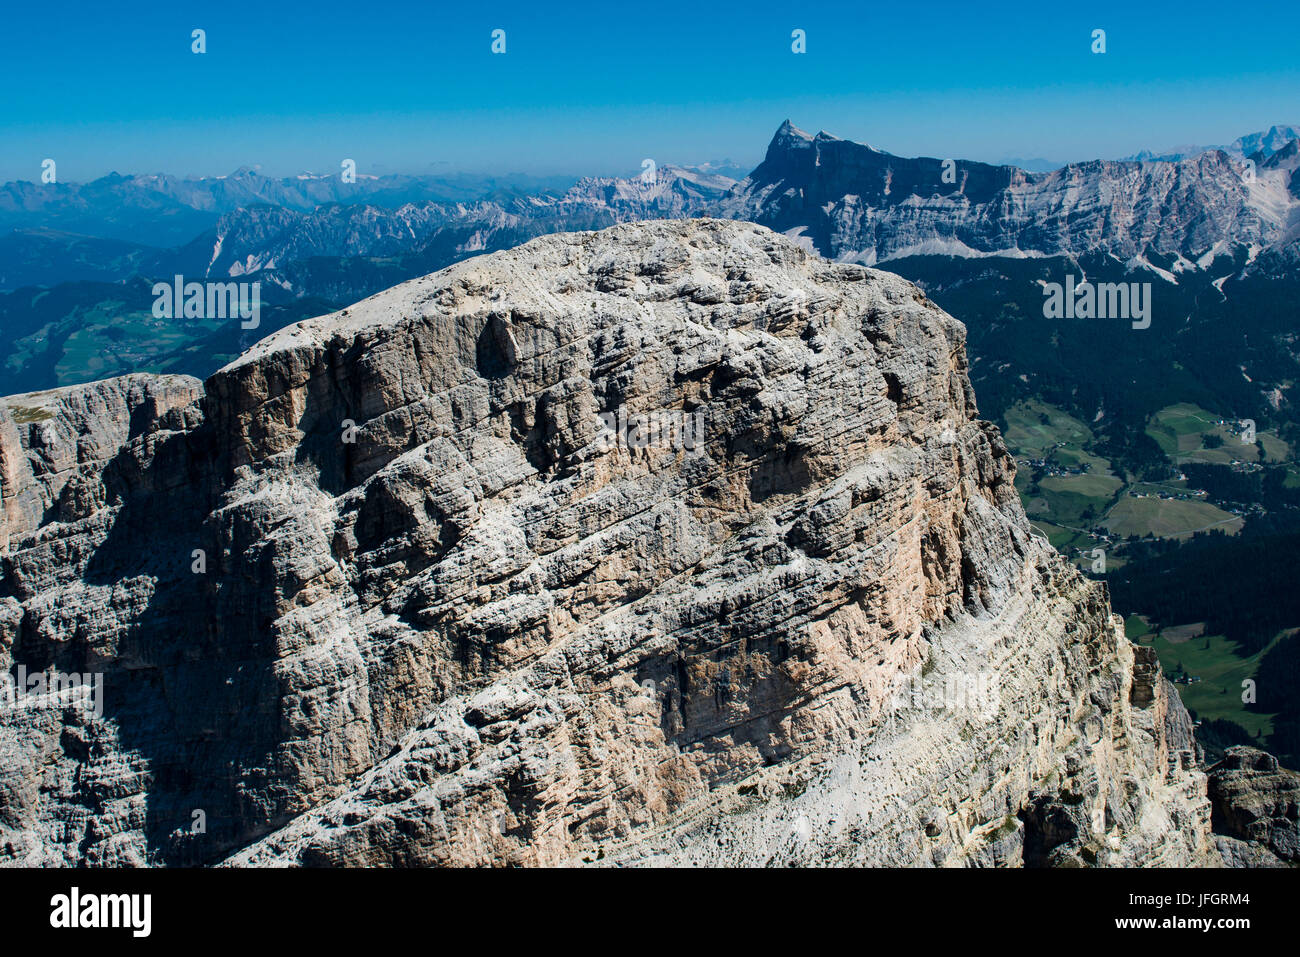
x: 390, y: 589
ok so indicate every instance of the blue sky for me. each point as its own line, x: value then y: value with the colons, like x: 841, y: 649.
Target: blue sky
x: 413, y: 87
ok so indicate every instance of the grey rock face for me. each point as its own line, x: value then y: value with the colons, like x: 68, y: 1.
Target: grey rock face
x: 855, y: 203
x: 845, y: 200
x: 1256, y: 808
x: 388, y: 590
x: 263, y: 238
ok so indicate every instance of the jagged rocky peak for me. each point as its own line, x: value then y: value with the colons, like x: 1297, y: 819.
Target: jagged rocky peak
x: 851, y: 202
x: 668, y: 543
x: 1256, y: 809
x: 789, y: 136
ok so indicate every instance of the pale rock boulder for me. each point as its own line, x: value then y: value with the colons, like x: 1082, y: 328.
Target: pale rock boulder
x: 445, y: 616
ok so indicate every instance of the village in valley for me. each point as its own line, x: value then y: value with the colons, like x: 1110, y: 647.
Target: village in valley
x: 1099, y: 516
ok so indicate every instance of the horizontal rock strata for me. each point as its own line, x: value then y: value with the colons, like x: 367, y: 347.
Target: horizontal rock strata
x: 670, y: 543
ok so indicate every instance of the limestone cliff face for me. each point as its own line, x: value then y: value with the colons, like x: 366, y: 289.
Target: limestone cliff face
x: 388, y: 590
x: 1256, y: 809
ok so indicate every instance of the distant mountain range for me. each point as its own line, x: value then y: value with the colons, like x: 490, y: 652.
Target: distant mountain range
x: 856, y: 203
x: 118, y: 227
x: 315, y: 242
x: 847, y: 200
x: 161, y: 210
x: 1265, y: 143
x: 1217, y: 237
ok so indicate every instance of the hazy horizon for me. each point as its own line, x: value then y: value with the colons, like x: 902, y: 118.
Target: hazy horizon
x: 444, y: 170
x: 594, y: 89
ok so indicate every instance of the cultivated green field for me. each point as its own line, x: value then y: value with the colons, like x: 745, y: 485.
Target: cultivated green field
x: 1064, y: 540
x: 1168, y: 518
x: 1274, y: 449
x: 1028, y: 434
x: 1221, y: 670
x: 1068, y: 507
x: 1090, y: 485
x: 111, y: 341
x: 1181, y: 431
x: 1135, y: 626
x: 1063, y: 506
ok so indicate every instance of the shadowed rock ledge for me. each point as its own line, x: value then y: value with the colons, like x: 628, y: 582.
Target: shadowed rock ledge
x: 1256, y: 809
x: 442, y: 614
